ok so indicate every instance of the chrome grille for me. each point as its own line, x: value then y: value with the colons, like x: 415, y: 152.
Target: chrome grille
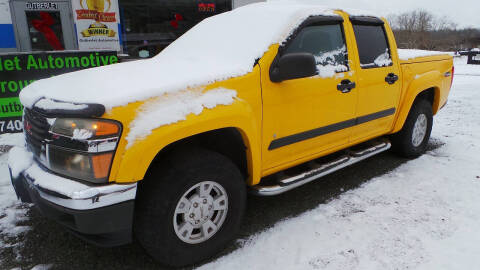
x: 36, y: 129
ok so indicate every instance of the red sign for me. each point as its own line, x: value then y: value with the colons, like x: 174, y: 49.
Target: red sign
x: 87, y: 14
x: 206, y: 7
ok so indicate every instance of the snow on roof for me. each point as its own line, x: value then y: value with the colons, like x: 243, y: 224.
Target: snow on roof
x: 407, y: 54
x: 218, y: 48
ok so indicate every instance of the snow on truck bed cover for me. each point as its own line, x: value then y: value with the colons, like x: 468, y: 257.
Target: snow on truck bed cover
x: 407, y: 54
x: 218, y: 48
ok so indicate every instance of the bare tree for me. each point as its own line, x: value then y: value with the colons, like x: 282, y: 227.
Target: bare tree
x: 421, y: 29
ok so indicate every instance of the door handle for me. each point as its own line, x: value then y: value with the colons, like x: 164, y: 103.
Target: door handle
x: 346, y: 86
x: 391, y: 78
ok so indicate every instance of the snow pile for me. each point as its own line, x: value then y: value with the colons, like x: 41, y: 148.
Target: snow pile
x: 462, y: 68
x: 81, y: 134
x: 327, y: 63
x: 42, y: 267
x: 11, y: 210
x: 407, y: 54
x: 12, y: 139
x: 423, y: 215
x: 338, y: 6
x: 70, y: 188
x: 330, y: 71
x: 218, y: 48
x: 383, y: 60
x: 48, y: 104
x: 19, y: 160
x: 174, y: 108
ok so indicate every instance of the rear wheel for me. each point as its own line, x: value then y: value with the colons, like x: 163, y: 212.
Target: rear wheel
x: 190, y: 207
x: 412, y: 140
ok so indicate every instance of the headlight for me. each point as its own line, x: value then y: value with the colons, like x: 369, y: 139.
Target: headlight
x: 89, y: 167
x: 83, y: 148
x: 86, y: 129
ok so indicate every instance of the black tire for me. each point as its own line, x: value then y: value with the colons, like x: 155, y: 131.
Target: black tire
x: 162, y: 189
x: 402, y: 142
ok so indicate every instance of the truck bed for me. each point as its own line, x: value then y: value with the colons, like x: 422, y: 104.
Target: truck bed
x: 408, y: 56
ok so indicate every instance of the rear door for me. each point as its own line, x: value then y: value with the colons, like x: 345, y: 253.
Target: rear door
x: 378, y: 74
x: 303, y: 117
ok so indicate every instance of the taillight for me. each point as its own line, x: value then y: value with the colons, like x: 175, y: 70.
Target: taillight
x: 453, y: 74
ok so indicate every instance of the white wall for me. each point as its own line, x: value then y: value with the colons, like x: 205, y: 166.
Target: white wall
x: 5, y: 17
x: 239, y: 3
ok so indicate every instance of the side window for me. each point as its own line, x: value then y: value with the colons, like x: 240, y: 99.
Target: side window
x: 326, y: 43
x: 372, y: 45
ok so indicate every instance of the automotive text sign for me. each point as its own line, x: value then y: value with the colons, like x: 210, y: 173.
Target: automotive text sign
x: 17, y: 70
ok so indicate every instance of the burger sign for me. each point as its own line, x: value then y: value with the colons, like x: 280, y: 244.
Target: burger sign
x: 97, y: 24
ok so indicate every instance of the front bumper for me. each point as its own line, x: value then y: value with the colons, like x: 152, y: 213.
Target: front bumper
x: 102, y: 215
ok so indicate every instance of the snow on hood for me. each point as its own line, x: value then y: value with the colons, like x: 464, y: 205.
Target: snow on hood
x: 218, y: 48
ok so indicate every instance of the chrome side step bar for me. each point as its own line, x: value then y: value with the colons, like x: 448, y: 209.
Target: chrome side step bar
x: 348, y: 157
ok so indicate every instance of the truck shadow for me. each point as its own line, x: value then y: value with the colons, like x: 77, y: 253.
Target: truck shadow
x: 48, y: 243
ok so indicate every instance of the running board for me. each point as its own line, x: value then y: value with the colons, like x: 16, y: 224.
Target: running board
x: 283, y: 182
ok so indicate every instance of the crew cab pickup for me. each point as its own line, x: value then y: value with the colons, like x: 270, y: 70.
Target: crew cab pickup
x: 264, y: 99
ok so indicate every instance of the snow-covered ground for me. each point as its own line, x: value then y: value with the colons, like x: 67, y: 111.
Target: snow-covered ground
x: 423, y: 215
x: 11, y: 211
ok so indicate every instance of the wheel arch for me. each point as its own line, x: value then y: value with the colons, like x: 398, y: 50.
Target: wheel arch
x: 421, y: 88
x: 227, y: 141
x: 234, y: 142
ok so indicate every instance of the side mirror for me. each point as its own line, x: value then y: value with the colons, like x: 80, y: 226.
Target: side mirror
x: 293, y: 66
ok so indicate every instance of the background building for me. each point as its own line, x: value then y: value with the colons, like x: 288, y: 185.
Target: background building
x: 138, y: 28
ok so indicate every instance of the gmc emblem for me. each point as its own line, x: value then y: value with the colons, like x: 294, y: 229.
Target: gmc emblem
x: 28, y: 127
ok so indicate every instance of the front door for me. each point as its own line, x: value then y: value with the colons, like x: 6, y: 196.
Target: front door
x: 44, y: 25
x: 303, y: 117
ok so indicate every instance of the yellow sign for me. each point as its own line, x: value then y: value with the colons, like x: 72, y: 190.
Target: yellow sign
x: 97, y: 5
x: 97, y: 23
x: 98, y: 30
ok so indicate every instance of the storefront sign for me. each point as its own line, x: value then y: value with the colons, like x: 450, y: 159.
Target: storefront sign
x: 97, y: 24
x: 206, y: 7
x: 42, y: 6
x: 20, y: 70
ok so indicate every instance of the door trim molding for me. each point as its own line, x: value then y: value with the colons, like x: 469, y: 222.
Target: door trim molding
x: 310, y: 134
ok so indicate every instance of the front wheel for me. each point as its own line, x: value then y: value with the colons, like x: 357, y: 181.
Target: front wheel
x: 190, y: 207
x: 412, y: 140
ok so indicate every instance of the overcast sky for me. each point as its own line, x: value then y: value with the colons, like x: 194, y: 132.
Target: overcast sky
x: 463, y: 12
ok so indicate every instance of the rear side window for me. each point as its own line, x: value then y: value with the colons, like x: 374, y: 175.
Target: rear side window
x: 326, y: 43
x: 372, y: 46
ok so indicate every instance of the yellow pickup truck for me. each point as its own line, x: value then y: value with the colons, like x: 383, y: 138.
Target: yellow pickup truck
x: 261, y: 99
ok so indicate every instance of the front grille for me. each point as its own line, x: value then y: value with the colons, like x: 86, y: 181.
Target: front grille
x: 36, y: 131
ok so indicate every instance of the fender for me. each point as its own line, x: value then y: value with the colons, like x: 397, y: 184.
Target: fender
x: 421, y: 83
x: 136, y: 159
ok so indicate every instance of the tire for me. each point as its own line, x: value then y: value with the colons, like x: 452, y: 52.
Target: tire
x: 409, y: 141
x: 159, y: 197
